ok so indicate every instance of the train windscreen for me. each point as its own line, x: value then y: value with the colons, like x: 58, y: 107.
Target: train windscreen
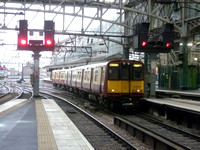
x: 137, y: 72
x: 113, y: 72
x: 125, y: 71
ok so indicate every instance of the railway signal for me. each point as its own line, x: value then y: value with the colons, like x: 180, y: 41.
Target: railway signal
x: 143, y: 30
x: 47, y: 44
x: 3, y: 67
x: 36, y: 46
x: 22, y: 36
x: 168, y: 36
x: 150, y: 42
x: 49, y: 35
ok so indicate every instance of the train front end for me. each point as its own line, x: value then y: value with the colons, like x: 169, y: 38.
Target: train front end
x: 125, y: 81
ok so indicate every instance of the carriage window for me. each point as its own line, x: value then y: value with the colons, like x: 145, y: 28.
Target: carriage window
x: 113, y: 72
x: 95, y: 75
x: 79, y: 75
x: 61, y: 75
x: 137, y: 71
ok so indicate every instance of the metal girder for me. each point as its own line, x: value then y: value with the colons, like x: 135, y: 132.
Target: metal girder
x: 160, y: 12
x: 136, y: 11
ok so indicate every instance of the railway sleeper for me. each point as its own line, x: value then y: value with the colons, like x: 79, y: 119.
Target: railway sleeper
x: 155, y: 141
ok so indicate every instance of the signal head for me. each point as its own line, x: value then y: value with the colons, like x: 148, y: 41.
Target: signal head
x: 144, y: 43
x: 23, y: 41
x: 168, y: 44
x: 49, y: 42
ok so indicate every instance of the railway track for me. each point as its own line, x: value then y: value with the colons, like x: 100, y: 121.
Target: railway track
x: 5, y: 90
x: 98, y: 134
x: 158, y: 134
x: 15, y: 92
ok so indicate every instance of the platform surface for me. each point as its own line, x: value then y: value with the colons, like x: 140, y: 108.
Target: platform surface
x: 181, y: 92
x: 38, y: 125
x: 180, y: 103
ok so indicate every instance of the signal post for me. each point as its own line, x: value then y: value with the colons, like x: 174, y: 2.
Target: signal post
x: 151, y: 44
x: 36, y: 79
x: 36, y: 46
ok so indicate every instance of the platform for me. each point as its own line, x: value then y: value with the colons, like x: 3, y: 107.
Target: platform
x: 38, y: 125
x: 195, y: 93
x: 179, y: 103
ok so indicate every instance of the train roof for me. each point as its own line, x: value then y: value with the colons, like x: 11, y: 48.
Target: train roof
x: 97, y: 65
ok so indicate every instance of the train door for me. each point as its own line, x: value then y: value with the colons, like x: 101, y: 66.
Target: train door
x: 91, y: 78
x: 103, y: 72
x: 69, y: 78
x: 125, y: 77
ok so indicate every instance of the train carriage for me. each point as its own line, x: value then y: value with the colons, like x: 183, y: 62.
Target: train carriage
x: 55, y: 77
x: 124, y: 81
x: 62, y: 77
x: 87, y: 76
x: 59, y: 77
x: 114, y: 82
x: 124, y: 78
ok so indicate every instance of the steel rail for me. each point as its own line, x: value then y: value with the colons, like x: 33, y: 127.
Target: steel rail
x: 112, y: 133
x: 147, y: 132
x: 9, y: 91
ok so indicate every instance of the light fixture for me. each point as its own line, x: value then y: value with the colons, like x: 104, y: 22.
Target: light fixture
x: 189, y: 44
x: 176, y: 13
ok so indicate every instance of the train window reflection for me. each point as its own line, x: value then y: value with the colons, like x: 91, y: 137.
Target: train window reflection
x: 125, y: 71
x: 137, y: 73
x: 113, y: 73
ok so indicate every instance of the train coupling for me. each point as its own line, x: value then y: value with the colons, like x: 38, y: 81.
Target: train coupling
x: 127, y: 104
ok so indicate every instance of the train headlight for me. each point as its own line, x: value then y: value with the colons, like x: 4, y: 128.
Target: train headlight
x: 113, y: 90
x: 138, y: 90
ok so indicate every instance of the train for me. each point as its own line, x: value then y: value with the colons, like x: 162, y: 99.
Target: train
x: 112, y: 84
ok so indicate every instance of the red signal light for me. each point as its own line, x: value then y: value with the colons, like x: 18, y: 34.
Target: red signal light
x: 168, y: 44
x: 23, y: 42
x: 144, y: 43
x: 48, y: 42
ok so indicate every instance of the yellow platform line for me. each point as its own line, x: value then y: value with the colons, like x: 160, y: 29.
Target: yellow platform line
x: 46, y: 139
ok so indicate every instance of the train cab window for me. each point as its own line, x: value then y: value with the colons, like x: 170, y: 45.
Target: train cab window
x: 137, y: 72
x: 113, y: 72
x: 125, y: 72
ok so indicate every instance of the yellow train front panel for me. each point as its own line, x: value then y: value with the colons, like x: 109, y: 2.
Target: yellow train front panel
x: 118, y: 86
x: 137, y: 86
x: 121, y: 86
